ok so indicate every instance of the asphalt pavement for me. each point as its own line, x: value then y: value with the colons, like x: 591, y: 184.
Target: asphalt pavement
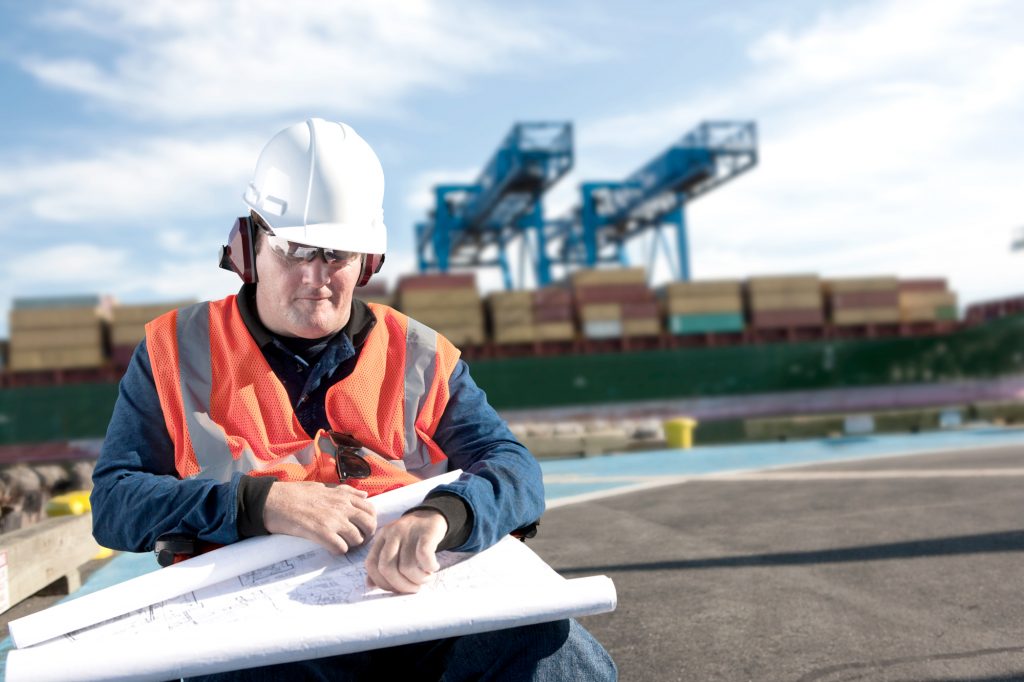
x: 889, y: 568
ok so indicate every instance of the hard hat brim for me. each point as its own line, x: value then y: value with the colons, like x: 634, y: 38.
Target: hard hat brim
x: 358, y: 238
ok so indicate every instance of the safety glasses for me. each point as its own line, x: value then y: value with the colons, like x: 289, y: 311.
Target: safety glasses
x: 294, y: 253
x: 347, y: 458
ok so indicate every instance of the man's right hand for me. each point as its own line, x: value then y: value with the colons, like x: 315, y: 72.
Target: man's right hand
x: 337, y: 517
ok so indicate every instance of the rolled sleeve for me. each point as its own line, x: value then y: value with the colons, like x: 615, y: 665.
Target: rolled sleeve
x: 501, y: 483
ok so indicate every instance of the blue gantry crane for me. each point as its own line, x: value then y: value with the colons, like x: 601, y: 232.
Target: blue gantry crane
x: 472, y: 225
x: 654, y: 198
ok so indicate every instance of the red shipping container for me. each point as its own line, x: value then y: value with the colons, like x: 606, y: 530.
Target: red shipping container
x: 866, y: 299
x: 122, y: 355
x: 641, y: 311
x: 552, y: 296
x: 614, y: 293
x: 923, y: 285
x: 786, y: 318
x: 552, y: 313
x: 437, y: 281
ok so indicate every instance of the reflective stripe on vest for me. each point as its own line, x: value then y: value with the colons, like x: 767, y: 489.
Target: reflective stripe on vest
x: 184, y: 369
x: 420, y: 367
x: 196, y: 377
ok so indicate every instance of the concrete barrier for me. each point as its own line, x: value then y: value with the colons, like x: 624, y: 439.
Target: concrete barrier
x: 45, y: 555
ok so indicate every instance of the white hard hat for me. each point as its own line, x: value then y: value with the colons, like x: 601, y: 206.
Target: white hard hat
x: 319, y: 183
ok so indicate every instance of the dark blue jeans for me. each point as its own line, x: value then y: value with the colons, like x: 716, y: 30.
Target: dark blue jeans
x: 562, y: 650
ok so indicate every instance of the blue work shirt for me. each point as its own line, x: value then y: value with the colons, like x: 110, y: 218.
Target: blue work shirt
x: 138, y: 495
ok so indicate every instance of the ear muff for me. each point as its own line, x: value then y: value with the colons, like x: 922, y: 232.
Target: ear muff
x: 239, y: 256
x: 371, y: 266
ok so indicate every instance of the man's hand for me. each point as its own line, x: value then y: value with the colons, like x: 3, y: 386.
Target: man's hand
x: 337, y: 517
x: 403, y: 554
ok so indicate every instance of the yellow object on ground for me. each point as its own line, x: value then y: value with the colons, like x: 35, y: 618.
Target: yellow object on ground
x: 69, y: 504
x: 679, y: 432
x: 74, y: 503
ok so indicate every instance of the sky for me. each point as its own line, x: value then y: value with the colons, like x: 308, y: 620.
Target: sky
x: 890, y: 136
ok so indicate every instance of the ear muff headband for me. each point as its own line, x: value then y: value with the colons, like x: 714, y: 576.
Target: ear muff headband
x: 371, y: 266
x: 239, y: 255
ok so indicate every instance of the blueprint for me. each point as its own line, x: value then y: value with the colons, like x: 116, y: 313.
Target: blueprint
x: 299, y: 602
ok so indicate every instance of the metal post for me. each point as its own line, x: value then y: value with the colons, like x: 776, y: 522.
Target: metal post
x: 442, y: 220
x: 543, y: 262
x: 678, y: 216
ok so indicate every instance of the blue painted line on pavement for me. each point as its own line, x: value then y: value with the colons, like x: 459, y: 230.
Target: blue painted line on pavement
x: 609, y: 472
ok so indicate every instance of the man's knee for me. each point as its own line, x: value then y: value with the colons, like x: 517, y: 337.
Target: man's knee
x: 559, y: 650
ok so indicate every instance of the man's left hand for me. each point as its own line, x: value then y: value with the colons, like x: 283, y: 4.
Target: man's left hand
x: 403, y: 555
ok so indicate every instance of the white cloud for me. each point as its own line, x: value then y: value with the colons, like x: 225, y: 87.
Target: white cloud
x: 421, y: 199
x: 890, y: 143
x: 181, y: 61
x: 130, y: 182
x: 68, y: 265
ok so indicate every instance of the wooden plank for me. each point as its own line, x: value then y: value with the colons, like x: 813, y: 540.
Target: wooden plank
x: 46, y: 552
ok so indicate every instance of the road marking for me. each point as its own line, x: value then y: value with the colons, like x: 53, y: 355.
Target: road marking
x: 863, y: 475
x: 632, y: 484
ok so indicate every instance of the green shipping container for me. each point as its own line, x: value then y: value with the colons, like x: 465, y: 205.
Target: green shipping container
x: 705, y: 323
x: 946, y: 313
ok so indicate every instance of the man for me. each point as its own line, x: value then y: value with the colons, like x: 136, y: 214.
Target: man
x: 282, y: 409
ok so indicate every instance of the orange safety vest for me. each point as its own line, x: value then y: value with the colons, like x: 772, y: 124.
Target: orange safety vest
x: 227, y: 412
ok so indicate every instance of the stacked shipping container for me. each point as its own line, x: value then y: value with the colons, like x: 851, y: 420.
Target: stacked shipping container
x: 512, y: 317
x: 128, y: 327
x: 612, y: 304
x: 862, y: 301
x: 78, y: 332
x: 777, y: 302
x: 553, y: 314
x: 449, y: 304
x: 58, y: 333
x: 926, y: 300
x: 707, y: 307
